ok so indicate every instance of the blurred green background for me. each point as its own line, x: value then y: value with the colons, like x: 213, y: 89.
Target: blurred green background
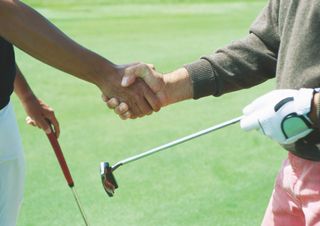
x: 224, y: 178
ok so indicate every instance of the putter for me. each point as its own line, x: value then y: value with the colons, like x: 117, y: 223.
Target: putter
x: 106, y: 170
x: 65, y: 169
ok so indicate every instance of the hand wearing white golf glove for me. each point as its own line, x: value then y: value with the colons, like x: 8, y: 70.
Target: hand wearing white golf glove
x: 282, y: 115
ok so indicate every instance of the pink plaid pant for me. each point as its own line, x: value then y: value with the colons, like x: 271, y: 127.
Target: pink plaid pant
x: 295, y: 200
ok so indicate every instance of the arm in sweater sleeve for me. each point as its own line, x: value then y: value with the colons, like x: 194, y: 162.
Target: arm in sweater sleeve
x: 242, y: 64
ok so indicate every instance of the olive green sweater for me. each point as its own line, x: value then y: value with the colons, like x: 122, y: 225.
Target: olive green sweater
x: 283, y: 42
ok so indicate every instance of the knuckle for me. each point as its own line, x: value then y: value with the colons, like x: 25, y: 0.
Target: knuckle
x: 116, y: 111
x: 123, y: 107
x: 156, y: 107
x: 112, y: 103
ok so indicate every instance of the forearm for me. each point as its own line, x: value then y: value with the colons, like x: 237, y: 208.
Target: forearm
x: 21, y: 87
x: 38, y: 112
x: 42, y: 40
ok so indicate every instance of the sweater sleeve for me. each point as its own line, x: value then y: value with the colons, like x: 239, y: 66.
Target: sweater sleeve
x: 242, y: 64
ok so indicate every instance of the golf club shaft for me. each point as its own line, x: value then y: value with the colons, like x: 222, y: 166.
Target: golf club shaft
x: 76, y: 197
x: 178, y: 141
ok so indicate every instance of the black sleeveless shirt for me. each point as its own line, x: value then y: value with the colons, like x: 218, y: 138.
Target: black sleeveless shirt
x: 7, y: 71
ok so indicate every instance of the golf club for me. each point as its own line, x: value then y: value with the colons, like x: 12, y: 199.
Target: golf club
x: 106, y: 170
x: 64, y: 167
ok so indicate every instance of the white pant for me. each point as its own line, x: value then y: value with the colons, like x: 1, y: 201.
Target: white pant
x: 11, y: 168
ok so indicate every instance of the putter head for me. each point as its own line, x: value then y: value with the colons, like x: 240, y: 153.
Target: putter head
x: 109, y: 183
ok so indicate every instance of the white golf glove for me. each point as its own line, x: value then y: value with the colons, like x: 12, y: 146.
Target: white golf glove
x: 280, y: 114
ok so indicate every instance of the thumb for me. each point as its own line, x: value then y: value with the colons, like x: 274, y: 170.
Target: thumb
x: 128, y: 79
x: 44, y: 124
x: 250, y: 122
x: 154, y: 80
x: 148, y: 73
x: 130, y: 75
x: 135, y: 71
x: 145, y: 72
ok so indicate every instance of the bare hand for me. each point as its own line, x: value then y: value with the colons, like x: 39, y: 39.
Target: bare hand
x: 39, y: 113
x: 138, y: 97
x: 169, y: 88
x: 132, y: 75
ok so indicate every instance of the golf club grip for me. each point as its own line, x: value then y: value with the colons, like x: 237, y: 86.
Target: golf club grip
x: 62, y: 162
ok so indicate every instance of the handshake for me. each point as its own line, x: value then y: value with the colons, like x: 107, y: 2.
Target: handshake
x: 144, y: 90
x: 283, y: 115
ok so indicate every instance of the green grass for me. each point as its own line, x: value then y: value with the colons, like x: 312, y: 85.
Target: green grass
x: 75, y: 3
x: 224, y: 178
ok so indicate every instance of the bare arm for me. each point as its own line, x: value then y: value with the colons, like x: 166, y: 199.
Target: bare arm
x: 178, y: 86
x: 170, y: 88
x: 38, y: 112
x: 32, y: 33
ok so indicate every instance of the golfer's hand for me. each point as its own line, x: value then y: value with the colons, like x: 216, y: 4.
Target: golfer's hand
x: 133, y: 75
x: 138, y: 97
x: 169, y: 88
x: 283, y: 115
x: 39, y: 113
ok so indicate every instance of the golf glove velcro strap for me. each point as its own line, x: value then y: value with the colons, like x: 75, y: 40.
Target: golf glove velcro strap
x: 282, y: 115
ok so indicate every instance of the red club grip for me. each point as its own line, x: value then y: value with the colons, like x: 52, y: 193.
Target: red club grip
x: 57, y: 150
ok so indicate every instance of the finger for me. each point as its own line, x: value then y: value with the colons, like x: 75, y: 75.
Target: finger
x: 53, y: 120
x: 151, y: 66
x: 154, y: 80
x: 130, y: 76
x: 148, y: 73
x: 126, y: 115
x: 113, y: 103
x: 128, y: 80
x: 133, y: 117
x: 44, y: 125
x: 105, y: 98
x: 145, y: 108
x: 152, y: 99
x: 123, y: 117
x: 30, y: 121
x: 141, y: 70
x: 121, y: 109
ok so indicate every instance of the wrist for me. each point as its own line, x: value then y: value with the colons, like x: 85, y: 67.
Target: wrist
x: 178, y: 86
x: 102, y: 72
x: 27, y: 97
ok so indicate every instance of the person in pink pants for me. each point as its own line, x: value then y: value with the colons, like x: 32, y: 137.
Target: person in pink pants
x: 295, y: 200
x: 283, y: 43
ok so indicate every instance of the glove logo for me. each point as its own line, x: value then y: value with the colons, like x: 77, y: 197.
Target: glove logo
x: 282, y: 103
x: 294, y: 124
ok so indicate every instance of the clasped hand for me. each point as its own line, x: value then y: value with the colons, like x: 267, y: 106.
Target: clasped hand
x: 146, y: 92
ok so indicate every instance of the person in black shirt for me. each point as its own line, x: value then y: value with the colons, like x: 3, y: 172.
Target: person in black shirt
x: 11, y: 78
x: 11, y: 155
x: 7, y: 71
x: 26, y: 29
